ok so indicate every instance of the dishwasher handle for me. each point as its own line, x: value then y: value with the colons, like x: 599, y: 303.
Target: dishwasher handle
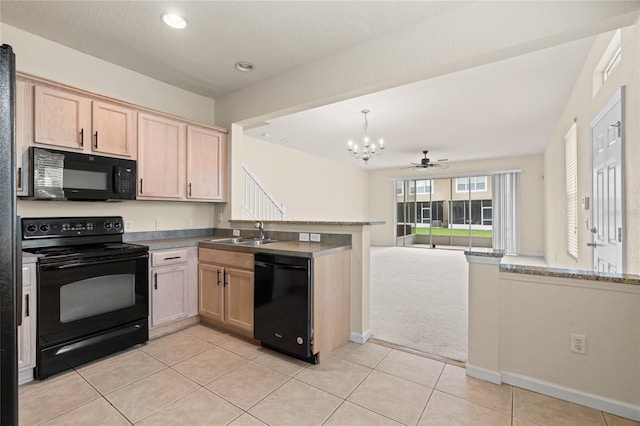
x: 276, y: 265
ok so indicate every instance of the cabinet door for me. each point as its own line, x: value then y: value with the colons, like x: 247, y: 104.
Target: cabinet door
x: 25, y: 359
x: 62, y: 119
x: 239, y: 298
x: 24, y: 134
x: 206, y: 169
x: 211, y: 291
x: 161, y: 158
x: 113, y: 130
x: 168, y: 300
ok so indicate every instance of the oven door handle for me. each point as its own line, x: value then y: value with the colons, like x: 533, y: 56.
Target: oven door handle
x: 99, y: 262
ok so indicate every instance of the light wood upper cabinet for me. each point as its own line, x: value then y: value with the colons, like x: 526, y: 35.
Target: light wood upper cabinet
x: 113, y: 129
x: 161, y: 158
x: 67, y: 120
x: 62, y: 119
x: 206, y: 161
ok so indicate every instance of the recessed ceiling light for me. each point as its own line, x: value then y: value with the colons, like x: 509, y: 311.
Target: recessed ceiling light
x: 245, y: 66
x: 174, y: 21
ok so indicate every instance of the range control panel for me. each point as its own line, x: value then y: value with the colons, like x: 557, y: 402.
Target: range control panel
x: 48, y: 227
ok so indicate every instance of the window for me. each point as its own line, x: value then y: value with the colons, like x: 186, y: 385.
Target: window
x: 473, y: 184
x: 612, y: 64
x: 424, y: 187
x: 609, y: 61
x: 474, y: 212
x: 429, y: 212
x: 571, y: 167
x: 399, y: 188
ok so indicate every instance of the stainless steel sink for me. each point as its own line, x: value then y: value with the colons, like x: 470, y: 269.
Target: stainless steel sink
x: 242, y: 241
x: 256, y: 242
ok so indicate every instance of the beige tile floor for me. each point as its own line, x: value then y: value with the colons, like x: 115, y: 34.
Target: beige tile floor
x: 200, y: 376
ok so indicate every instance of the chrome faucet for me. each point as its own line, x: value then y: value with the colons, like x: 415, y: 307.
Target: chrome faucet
x: 260, y: 226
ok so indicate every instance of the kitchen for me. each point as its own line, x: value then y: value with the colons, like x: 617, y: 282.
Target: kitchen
x: 149, y: 216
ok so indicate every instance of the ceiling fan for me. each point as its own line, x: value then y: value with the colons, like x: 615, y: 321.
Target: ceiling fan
x: 426, y: 163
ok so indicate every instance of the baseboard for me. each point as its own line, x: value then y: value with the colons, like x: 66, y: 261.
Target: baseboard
x: 360, y: 338
x: 484, y: 374
x: 619, y: 408
x: 25, y: 376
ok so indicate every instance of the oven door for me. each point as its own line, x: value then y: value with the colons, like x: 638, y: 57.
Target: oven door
x: 91, y: 296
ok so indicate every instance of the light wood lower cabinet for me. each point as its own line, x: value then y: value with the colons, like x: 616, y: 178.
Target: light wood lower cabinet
x: 27, y: 331
x: 225, y: 283
x: 173, y: 285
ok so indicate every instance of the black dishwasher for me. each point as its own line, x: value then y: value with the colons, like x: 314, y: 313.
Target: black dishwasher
x: 283, y: 305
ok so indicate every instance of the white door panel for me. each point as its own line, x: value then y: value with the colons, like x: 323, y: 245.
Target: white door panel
x: 607, y: 132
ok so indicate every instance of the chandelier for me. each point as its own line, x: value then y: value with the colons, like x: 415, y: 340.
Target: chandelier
x: 369, y: 150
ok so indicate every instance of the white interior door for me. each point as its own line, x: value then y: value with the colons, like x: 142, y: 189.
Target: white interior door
x: 607, y: 187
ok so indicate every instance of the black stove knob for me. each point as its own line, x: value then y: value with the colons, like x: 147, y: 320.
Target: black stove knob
x: 45, y: 227
x: 116, y: 225
x: 31, y: 228
x: 107, y: 225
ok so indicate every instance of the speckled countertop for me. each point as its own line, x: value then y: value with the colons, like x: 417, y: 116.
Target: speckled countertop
x: 311, y: 222
x: 538, y: 268
x: 287, y: 248
x: 161, y: 240
x: 484, y: 252
x: 571, y: 273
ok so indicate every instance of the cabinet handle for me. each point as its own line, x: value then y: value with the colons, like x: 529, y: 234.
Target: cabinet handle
x: 96, y: 146
x: 19, y: 178
x: 81, y: 137
x: 26, y: 302
x: 218, y: 276
x: 172, y: 257
x: 141, y: 185
x: 226, y: 278
x: 189, y: 189
x: 155, y: 281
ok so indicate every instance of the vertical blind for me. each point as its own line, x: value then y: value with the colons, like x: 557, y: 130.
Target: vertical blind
x: 506, y: 202
x: 571, y: 167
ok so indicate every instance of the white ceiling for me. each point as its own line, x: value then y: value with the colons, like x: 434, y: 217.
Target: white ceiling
x: 505, y: 108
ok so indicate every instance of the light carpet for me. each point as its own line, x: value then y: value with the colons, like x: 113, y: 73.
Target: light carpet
x: 419, y: 299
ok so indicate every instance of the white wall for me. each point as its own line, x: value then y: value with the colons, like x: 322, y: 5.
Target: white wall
x: 311, y: 187
x: 43, y: 58
x: 583, y: 106
x: 382, y: 196
x: 538, y: 317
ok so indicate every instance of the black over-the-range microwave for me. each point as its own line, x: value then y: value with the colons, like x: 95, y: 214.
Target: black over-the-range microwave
x: 63, y: 175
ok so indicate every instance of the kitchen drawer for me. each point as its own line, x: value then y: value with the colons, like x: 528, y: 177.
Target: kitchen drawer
x: 168, y: 257
x: 226, y: 258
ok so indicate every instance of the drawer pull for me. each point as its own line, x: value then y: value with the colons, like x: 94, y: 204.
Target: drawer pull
x: 155, y: 281
x: 226, y: 278
x: 20, y: 178
x: 218, y: 277
x: 81, y: 137
x: 96, y: 146
x: 141, y: 185
x: 172, y: 257
x: 26, y: 302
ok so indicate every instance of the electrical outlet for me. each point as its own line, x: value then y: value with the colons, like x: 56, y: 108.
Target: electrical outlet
x: 303, y: 236
x: 315, y: 237
x: 158, y: 224
x: 236, y: 232
x: 579, y: 343
x: 128, y: 226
